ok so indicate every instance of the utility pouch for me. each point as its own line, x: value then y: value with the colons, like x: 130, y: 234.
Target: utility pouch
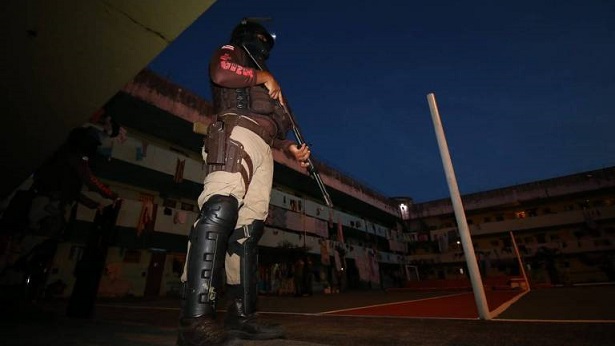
x: 215, y: 143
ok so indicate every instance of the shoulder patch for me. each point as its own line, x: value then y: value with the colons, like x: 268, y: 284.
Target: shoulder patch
x: 229, y: 47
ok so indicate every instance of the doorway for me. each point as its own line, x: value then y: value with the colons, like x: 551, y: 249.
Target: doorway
x: 154, y: 274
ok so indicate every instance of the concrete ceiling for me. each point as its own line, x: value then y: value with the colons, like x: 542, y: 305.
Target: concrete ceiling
x: 62, y: 60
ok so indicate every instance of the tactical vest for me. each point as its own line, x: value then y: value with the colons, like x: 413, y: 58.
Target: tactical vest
x: 250, y: 100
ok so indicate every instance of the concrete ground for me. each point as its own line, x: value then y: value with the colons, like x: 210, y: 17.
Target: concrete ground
x: 546, y: 317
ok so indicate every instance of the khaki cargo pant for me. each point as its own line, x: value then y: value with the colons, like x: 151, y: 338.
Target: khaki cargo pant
x: 254, y: 203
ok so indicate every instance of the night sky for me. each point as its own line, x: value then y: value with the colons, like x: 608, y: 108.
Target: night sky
x: 525, y: 89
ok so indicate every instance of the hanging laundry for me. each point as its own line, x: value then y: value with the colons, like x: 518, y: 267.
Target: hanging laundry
x: 374, y: 269
x: 179, y: 171
x: 122, y: 135
x: 180, y: 217
x: 338, y: 261
x: 147, y: 215
x: 324, y: 252
x: 340, y: 230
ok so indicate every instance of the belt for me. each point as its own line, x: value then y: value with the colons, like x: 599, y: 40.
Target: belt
x: 247, y: 123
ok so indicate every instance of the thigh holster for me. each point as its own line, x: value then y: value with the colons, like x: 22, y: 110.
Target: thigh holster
x: 225, y: 154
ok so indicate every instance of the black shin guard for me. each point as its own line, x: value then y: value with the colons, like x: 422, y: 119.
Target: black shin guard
x: 241, y: 313
x: 209, y: 239
x: 247, y: 290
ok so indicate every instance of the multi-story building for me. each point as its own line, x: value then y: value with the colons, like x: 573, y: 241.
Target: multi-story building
x: 563, y: 228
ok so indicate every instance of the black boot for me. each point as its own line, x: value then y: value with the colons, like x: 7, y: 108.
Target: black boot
x: 205, y: 266
x: 247, y: 326
x: 241, y: 319
x: 201, y: 331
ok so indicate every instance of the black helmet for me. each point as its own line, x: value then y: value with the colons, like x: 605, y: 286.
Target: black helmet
x: 253, y: 37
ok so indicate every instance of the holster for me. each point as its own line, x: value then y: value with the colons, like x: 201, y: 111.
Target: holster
x: 224, y: 153
x: 215, y: 143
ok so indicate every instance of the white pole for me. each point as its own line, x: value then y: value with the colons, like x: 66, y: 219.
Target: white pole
x: 464, y: 232
x: 521, y: 265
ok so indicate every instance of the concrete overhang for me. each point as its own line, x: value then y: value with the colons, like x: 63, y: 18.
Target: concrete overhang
x: 63, y: 59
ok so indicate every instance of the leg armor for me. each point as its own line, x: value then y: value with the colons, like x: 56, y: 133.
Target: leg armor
x: 240, y: 317
x: 208, y: 240
x: 205, y: 265
x: 247, y: 290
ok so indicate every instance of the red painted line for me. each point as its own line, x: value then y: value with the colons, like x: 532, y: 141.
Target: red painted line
x: 456, y: 306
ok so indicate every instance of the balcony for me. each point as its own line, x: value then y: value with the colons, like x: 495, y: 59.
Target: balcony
x: 550, y: 220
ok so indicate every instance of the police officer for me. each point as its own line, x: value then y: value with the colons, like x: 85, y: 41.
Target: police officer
x: 57, y: 186
x: 249, y: 121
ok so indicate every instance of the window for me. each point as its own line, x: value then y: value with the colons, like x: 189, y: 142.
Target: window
x: 541, y: 238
